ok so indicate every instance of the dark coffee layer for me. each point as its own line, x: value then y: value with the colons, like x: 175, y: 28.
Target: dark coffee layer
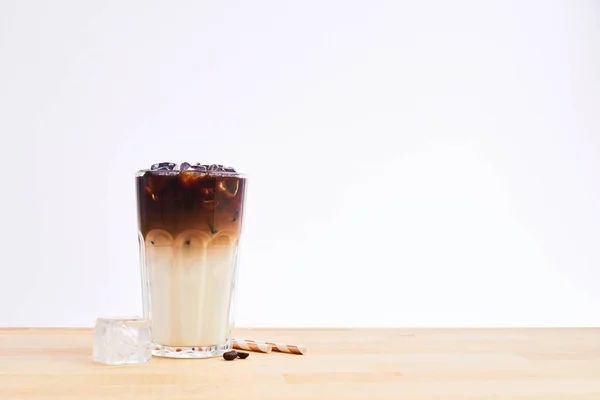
x: 176, y: 201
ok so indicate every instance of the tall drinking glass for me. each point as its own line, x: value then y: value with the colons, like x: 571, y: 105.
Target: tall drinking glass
x: 190, y: 223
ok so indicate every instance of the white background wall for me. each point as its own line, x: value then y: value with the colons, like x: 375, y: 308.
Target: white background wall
x: 412, y: 163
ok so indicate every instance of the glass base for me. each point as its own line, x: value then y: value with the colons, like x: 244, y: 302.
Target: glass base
x: 190, y: 352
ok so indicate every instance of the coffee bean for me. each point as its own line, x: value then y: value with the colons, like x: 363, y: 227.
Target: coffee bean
x: 230, y: 355
x: 242, y: 355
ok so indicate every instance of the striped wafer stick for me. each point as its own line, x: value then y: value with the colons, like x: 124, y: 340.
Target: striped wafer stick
x: 283, y: 348
x: 241, y: 344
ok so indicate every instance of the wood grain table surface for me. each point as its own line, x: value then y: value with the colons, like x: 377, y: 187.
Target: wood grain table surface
x: 419, y: 364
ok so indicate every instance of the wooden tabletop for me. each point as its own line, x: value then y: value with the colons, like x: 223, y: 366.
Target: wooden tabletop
x: 419, y: 364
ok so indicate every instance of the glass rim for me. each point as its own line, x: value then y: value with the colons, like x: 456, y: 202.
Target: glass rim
x: 173, y: 172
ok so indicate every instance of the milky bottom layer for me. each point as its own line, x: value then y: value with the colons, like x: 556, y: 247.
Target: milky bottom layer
x: 190, y: 287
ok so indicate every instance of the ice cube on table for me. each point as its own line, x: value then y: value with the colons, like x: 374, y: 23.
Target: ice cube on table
x: 122, y: 340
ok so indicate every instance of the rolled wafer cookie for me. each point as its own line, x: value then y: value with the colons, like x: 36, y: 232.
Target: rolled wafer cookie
x: 241, y: 344
x: 281, y: 347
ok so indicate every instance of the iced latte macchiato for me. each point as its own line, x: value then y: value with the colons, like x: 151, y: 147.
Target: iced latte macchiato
x: 190, y: 220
